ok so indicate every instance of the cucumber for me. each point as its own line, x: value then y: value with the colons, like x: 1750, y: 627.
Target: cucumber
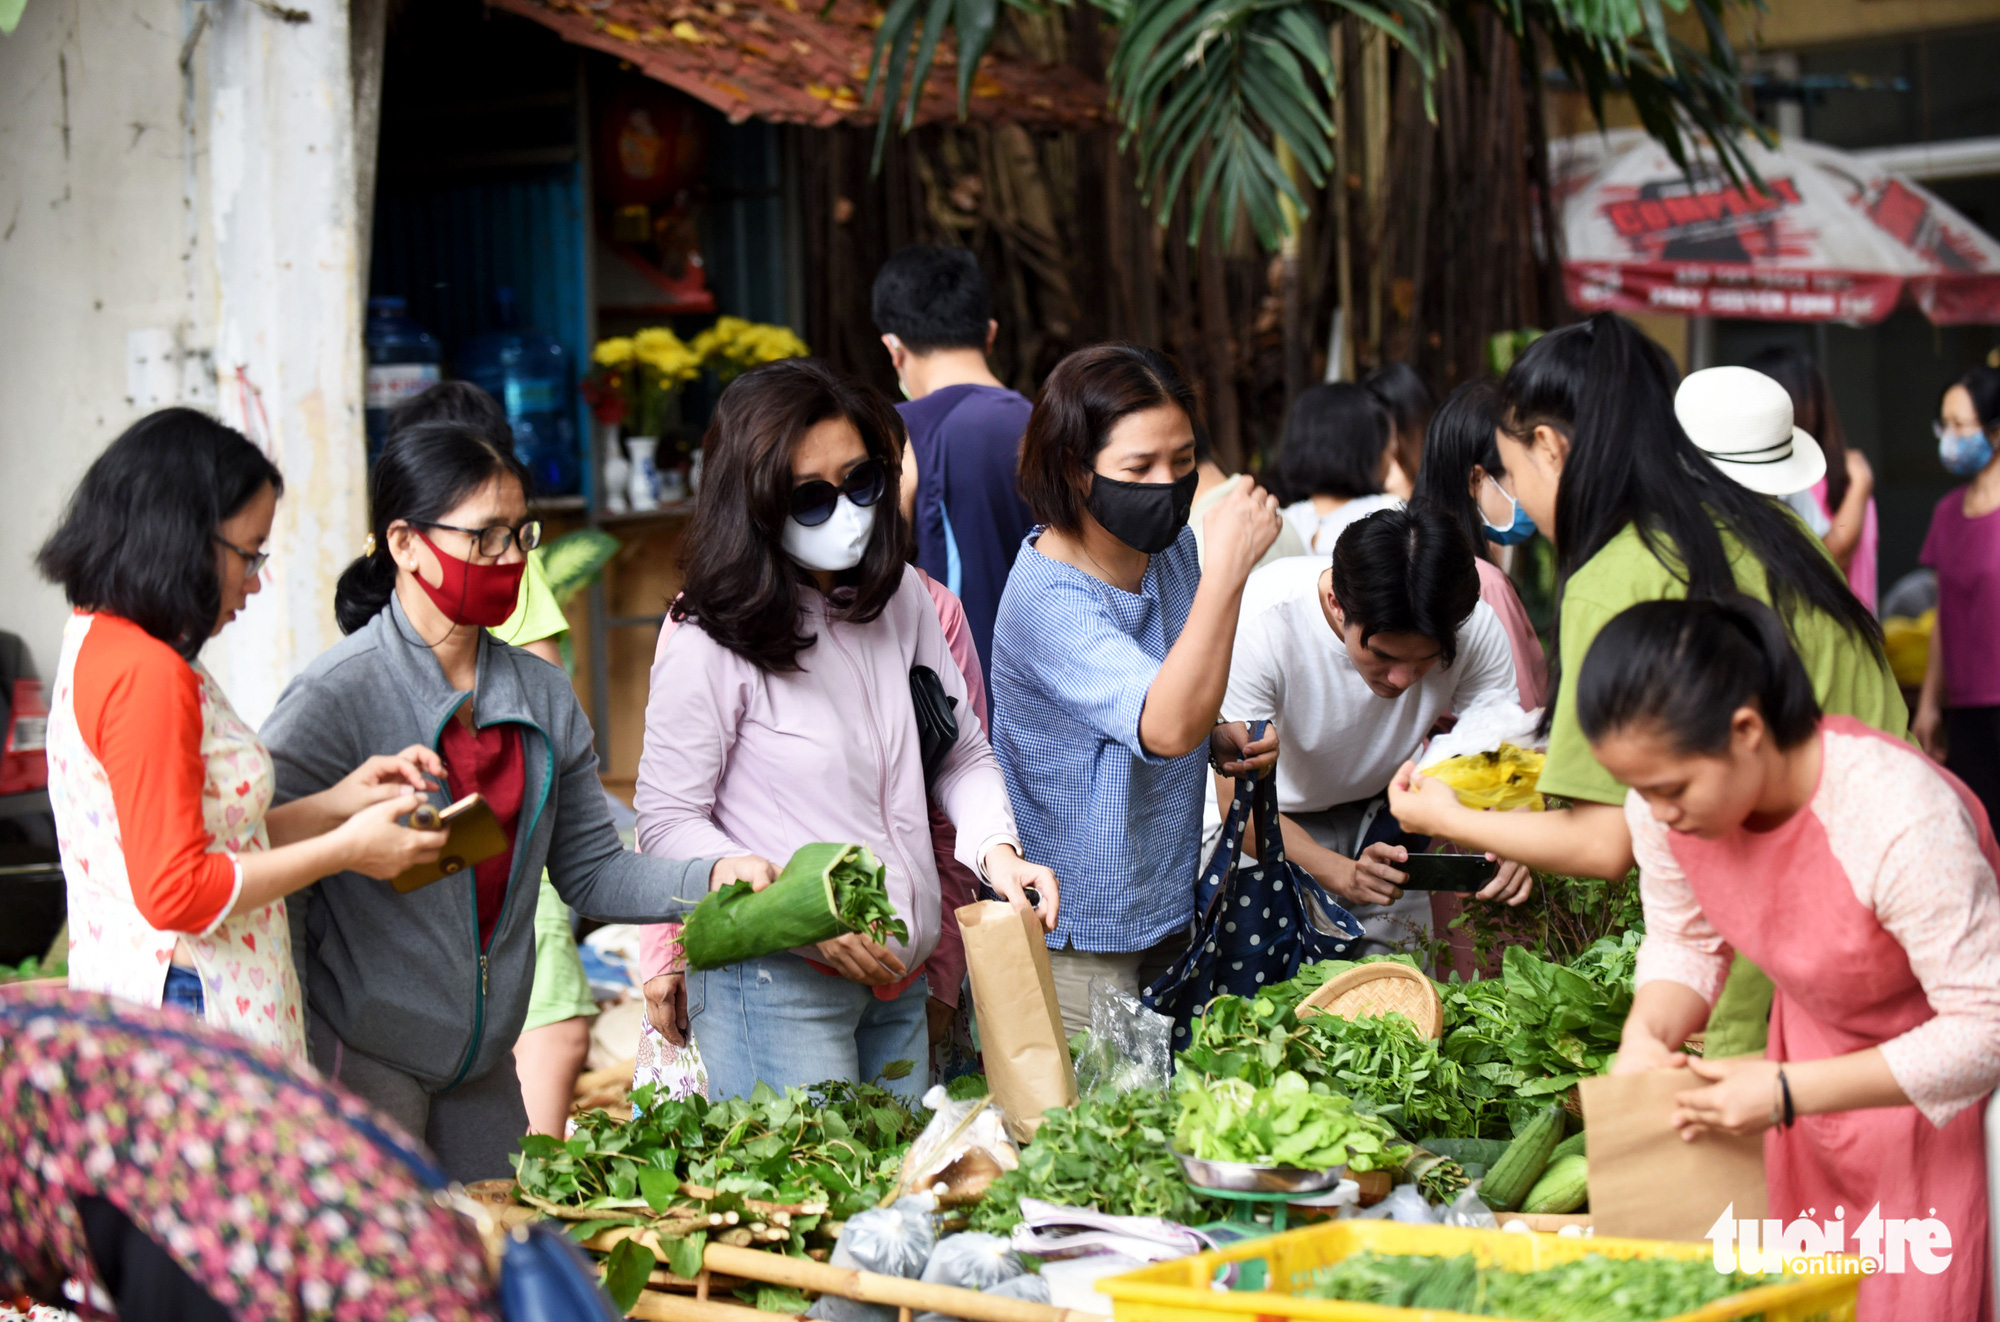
x: 1509, y: 1179
x: 1564, y: 1186
x: 1569, y: 1147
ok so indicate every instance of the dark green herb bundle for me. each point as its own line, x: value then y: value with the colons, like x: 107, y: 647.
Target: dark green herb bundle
x: 825, y: 890
x: 1591, y: 1289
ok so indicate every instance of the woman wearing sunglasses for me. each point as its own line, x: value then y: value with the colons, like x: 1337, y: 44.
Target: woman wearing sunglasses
x: 178, y: 866
x: 415, y: 1000
x: 781, y: 714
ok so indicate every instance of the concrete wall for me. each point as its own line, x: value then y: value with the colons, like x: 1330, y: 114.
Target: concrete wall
x: 178, y: 225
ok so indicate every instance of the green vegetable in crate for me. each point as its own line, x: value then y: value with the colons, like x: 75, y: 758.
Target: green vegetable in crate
x: 1564, y: 1187
x: 1291, y: 1123
x: 1590, y: 1289
x: 1569, y: 1147
x: 1509, y: 1179
x: 826, y: 890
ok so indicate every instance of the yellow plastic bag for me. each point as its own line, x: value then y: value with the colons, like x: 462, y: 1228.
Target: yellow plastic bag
x: 1500, y: 780
x: 1908, y: 643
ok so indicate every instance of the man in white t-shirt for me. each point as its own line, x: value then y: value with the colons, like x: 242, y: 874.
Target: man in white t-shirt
x: 1355, y: 660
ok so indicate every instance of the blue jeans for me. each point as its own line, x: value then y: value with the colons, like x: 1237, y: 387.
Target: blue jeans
x: 183, y: 991
x: 780, y: 1021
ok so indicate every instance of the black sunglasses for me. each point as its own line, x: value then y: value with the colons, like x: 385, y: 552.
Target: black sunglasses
x: 813, y: 502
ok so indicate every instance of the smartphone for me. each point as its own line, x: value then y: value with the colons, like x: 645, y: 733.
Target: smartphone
x: 1449, y: 872
x: 476, y: 836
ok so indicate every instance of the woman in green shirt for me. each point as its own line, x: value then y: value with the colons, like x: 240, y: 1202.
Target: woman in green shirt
x: 1637, y: 513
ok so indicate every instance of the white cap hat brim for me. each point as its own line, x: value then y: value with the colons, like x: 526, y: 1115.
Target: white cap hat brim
x: 1796, y: 472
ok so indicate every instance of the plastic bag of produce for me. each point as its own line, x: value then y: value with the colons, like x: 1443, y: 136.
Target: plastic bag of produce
x: 825, y: 890
x: 1127, y: 1047
x: 1501, y: 780
x: 972, y: 1261
x: 1028, y: 1287
x: 962, y: 1150
x: 892, y: 1241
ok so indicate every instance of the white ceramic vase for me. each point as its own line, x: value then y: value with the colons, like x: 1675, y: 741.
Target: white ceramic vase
x: 642, y: 489
x: 616, y: 477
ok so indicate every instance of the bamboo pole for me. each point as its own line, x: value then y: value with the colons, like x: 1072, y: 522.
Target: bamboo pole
x: 873, y: 1288
x: 654, y: 1306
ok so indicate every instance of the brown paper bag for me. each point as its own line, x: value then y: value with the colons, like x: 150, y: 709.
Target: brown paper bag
x: 1646, y: 1182
x: 1020, y: 1029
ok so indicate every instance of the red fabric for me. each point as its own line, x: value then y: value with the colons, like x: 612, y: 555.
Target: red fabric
x: 488, y: 763
x: 138, y: 706
x: 1844, y: 984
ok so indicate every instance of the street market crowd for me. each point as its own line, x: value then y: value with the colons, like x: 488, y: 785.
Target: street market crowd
x: 1125, y: 631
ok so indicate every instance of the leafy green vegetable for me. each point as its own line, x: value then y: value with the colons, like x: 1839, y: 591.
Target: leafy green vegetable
x: 1291, y: 1123
x: 32, y: 968
x: 1541, y: 1027
x: 835, y: 1144
x: 1108, y: 1152
x: 626, y: 1272
x: 824, y: 891
x: 1591, y: 1289
x: 966, y: 1087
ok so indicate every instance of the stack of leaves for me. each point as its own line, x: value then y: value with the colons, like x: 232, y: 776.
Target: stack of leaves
x: 1541, y: 1027
x: 1291, y: 1124
x: 825, y: 890
x: 1590, y: 1289
x: 684, y: 1168
x: 1108, y: 1152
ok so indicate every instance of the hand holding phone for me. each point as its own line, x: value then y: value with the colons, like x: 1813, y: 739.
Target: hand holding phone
x: 474, y: 836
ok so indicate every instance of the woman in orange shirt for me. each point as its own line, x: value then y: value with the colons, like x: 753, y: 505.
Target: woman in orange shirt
x: 177, y: 865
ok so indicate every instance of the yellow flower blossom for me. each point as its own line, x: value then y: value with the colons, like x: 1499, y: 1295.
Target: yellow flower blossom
x: 614, y: 352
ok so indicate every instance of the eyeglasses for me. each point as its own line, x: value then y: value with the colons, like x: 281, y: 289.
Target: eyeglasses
x: 253, y: 561
x: 493, y: 542
x: 813, y: 502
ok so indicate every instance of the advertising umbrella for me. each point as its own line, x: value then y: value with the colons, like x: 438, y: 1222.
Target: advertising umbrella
x: 1828, y: 237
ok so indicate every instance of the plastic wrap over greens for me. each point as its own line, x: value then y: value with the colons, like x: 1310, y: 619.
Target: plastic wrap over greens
x: 826, y: 890
x: 1127, y: 1047
x: 892, y: 1241
x: 972, y: 1261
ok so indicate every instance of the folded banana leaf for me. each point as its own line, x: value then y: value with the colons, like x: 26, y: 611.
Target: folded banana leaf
x: 826, y: 890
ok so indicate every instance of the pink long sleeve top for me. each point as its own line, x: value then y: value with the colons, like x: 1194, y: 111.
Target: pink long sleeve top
x: 741, y: 761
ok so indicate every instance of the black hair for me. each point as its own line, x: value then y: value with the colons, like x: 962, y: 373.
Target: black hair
x: 1406, y: 571
x: 1079, y: 404
x: 1461, y: 436
x: 1410, y: 404
x: 1610, y: 390
x: 137, y: 539
x: 1983, y: 384
x: 1334, y: 441
x: 740, y: 586
x: 1686, y: 668
x: 454, y: 401
x: 422, y: 474
x: 931, y: 297
x: 1812, y: 409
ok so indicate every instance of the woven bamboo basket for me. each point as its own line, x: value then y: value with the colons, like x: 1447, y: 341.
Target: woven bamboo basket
x: 1380, y: 989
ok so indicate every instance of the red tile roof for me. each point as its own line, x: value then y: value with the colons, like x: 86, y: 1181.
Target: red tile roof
x: 779, y: 60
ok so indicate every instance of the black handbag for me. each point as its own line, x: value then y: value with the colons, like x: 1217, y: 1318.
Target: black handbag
x: 1255, y: 922
x: 937, y: 727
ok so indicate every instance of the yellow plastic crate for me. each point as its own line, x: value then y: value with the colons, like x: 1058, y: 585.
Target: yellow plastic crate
x: 1182, y: 1290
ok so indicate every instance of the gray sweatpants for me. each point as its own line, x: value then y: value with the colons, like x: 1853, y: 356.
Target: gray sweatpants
x: 474, y: 1129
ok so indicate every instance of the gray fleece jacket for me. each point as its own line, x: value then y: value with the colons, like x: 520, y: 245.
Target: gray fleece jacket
x: 401, y: 978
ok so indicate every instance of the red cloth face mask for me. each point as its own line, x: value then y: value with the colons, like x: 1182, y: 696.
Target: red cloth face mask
x: 482, y: 595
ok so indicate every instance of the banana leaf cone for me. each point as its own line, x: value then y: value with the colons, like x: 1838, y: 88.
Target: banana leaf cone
x: 825, y: 890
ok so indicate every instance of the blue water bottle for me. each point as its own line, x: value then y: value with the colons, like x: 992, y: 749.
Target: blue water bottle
x: 403, y: 361
x: 529, y: 373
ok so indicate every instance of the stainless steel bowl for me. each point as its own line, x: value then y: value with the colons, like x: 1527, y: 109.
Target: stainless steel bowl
x: 1239, y: 1177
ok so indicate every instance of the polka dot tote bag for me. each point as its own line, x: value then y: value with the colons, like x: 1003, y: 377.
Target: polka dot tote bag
x: 1257, y: 919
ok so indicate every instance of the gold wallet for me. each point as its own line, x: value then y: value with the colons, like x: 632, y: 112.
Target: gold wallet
x: 475, y: 837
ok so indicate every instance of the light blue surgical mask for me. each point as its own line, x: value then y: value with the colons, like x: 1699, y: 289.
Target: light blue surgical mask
x: 1519, y: 528
x: 1962, y: 453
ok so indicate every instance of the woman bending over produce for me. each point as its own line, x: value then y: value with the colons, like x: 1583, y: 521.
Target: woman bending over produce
x: 1860, y: 877
x: 415, y: 1000
x: 1110, y: 657
x: 781, y: 715
x: 1637, y: 513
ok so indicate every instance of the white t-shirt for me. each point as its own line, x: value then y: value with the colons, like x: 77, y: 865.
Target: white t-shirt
x: 1338, y: 741
x: 1320, y: 531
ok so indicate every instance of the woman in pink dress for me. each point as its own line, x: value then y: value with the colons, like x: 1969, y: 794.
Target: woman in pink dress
x: 1860, y: 877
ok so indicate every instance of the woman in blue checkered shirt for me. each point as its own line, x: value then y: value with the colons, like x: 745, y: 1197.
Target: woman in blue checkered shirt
x: 1110, y: 656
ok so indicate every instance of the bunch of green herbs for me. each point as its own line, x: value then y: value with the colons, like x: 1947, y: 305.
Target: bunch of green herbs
x: 1291, y: 1123
x: 1590, y: 1289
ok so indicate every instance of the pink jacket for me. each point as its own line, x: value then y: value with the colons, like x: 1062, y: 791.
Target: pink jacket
x: 738, y: 761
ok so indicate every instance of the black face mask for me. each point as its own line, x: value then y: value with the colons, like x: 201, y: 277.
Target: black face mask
x: 1146, y: 516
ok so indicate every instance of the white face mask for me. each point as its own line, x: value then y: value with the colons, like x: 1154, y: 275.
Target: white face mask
x: 837, y: 544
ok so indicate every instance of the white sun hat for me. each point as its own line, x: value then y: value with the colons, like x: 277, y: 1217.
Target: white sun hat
x: 1742, y: 420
